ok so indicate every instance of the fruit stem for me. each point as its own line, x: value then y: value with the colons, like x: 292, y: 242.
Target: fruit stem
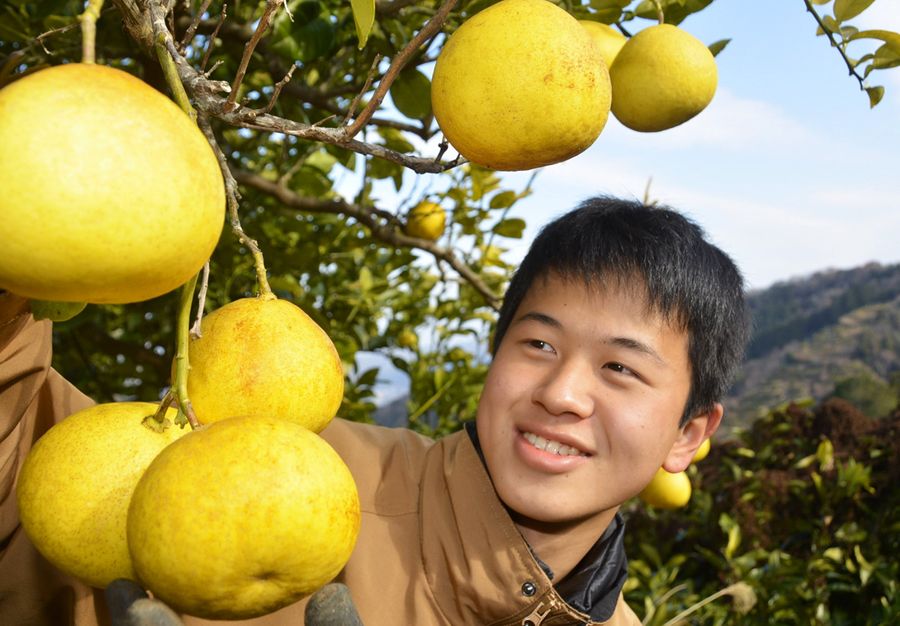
x: 160, y: 416
x: 172, y: 79
x: 182, y: 365
x: 659, y: 12
x: 88, y: 21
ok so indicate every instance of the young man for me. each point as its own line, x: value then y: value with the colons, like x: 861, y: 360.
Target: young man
x: 615, y: 343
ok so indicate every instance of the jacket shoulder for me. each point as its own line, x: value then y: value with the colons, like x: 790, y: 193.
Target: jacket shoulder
x: 386, y: 463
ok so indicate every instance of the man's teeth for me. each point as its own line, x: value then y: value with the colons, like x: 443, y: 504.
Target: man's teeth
x: 551, y: 446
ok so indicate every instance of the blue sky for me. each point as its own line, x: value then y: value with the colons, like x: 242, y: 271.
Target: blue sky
x: 788, y: 169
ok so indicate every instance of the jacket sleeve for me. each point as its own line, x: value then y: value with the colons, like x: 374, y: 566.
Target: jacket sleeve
x: 33, y: 397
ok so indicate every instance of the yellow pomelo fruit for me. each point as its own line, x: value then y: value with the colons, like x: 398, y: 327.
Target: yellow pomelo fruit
x: 111, y: 194
x: 667, y: 490
x: 426, y: 220
x: 408, y: 339
x: 662, y: 77
x: 607, y: 38
x: 242, y: 517
x: 520, y: 85
x: 702, y: 451
x: 264, y: 355
x: 76, y: 484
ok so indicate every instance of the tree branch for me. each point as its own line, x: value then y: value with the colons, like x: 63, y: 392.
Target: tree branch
x: 264, y: 21
x: 430, y: 28
x: 835, y: 44
x: 371, y: 218
x: 208, y: 99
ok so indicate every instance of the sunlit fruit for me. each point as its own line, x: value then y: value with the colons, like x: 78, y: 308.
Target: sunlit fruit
x: 76, y: 484
x: 607, y: 38
x: 242, y: 517
x: 702, y: 451
x: 408, y: 339
x: 662, y: 77
x: 519, y: 85
x: 264, y: 355
x: 667, y: 490
x: 111, y: 193
x: 426, y: 220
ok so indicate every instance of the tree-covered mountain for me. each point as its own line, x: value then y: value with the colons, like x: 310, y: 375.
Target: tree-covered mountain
x: 815, y: 333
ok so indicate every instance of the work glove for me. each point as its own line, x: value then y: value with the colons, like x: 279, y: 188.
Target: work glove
x: 129, y: 605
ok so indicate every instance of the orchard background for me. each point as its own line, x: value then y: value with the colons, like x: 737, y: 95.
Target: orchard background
x: 802, y: 508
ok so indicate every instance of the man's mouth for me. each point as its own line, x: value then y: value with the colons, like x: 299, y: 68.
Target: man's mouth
x: 548, y: 445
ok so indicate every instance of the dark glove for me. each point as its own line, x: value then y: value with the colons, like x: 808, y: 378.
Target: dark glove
x: 129, y: 605
x: 332, y: 606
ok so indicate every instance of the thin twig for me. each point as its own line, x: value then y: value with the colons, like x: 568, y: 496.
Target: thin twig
x: 835, y: 44
x: 192, y: 27
x: 264, y: 21
x: 232, y: 196
x: 432, y: 26
x: 278, y: 87
x: 351, y: 110
x: 370, y: 218
x: 212, y: 38
x: 196, y: 331
x: 181, y: 354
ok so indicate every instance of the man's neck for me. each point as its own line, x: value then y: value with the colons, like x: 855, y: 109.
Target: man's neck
x: 562, y: 546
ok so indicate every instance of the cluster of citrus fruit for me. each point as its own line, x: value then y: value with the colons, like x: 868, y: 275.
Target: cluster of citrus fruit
x: 113, y: 195
x: 672, y: 490
x: 523, y: 84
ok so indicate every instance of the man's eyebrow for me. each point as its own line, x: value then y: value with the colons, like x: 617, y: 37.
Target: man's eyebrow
x: 541, y: 318
x: 633, y: 344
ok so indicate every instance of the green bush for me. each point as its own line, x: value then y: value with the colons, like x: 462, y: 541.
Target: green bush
x: 797, y: 520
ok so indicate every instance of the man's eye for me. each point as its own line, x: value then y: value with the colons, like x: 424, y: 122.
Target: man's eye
x: 540, y: 345
x: 620, y: 369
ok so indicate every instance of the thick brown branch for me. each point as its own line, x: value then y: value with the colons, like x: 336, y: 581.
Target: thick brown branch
x: 371, y: 218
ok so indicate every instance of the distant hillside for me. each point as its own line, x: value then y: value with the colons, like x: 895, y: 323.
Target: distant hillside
x: 808, y: 333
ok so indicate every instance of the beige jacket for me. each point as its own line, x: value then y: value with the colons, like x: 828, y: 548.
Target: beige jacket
x: 436, y: 546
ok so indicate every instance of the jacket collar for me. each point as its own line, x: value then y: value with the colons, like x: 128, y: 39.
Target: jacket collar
x: 476, y: 563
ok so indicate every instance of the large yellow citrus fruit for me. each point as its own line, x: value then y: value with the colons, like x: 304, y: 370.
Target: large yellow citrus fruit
x: 667, y: 490
x: 76, y: 484
x: 520, y: 85
x: 242, y: 517
x: 426, y: 220
x: 111, y: 193
x: 662, y: 77
x: 702, y: 451
x: 607, y: 38
x: 264, y: 355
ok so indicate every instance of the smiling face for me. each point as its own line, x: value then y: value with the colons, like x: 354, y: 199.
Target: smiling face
x: 582, y: 403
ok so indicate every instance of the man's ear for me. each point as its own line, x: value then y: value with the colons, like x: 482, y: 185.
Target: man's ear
x: 699, y: 428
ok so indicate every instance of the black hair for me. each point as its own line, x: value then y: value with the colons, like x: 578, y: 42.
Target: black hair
x: 690, y: 282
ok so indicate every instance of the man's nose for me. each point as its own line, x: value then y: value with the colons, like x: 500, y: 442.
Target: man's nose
x: 567, y: 388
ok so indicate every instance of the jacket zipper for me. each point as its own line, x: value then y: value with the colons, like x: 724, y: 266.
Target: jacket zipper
x: 536, y: 617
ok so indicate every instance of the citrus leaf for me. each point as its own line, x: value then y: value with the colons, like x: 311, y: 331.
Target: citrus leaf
x: 885, y: 58
x: 875, y: 95
x: 364, y: 18
x: 504, y: 199
x: 891, y: 38
x: 411, y: 93
x: 512, y: 228
x: 848, y: 9
x: 717, y: 46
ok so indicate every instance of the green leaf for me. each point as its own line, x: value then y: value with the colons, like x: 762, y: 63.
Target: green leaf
x: 891, y: 38
x: 364, y: 18
x: 848, y: 9
x: 875, y: 95
x: 717, y: 46
x: 504, y: 199
x: 512, y: 228
x: 411, y: 93
x: 885, y: 57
